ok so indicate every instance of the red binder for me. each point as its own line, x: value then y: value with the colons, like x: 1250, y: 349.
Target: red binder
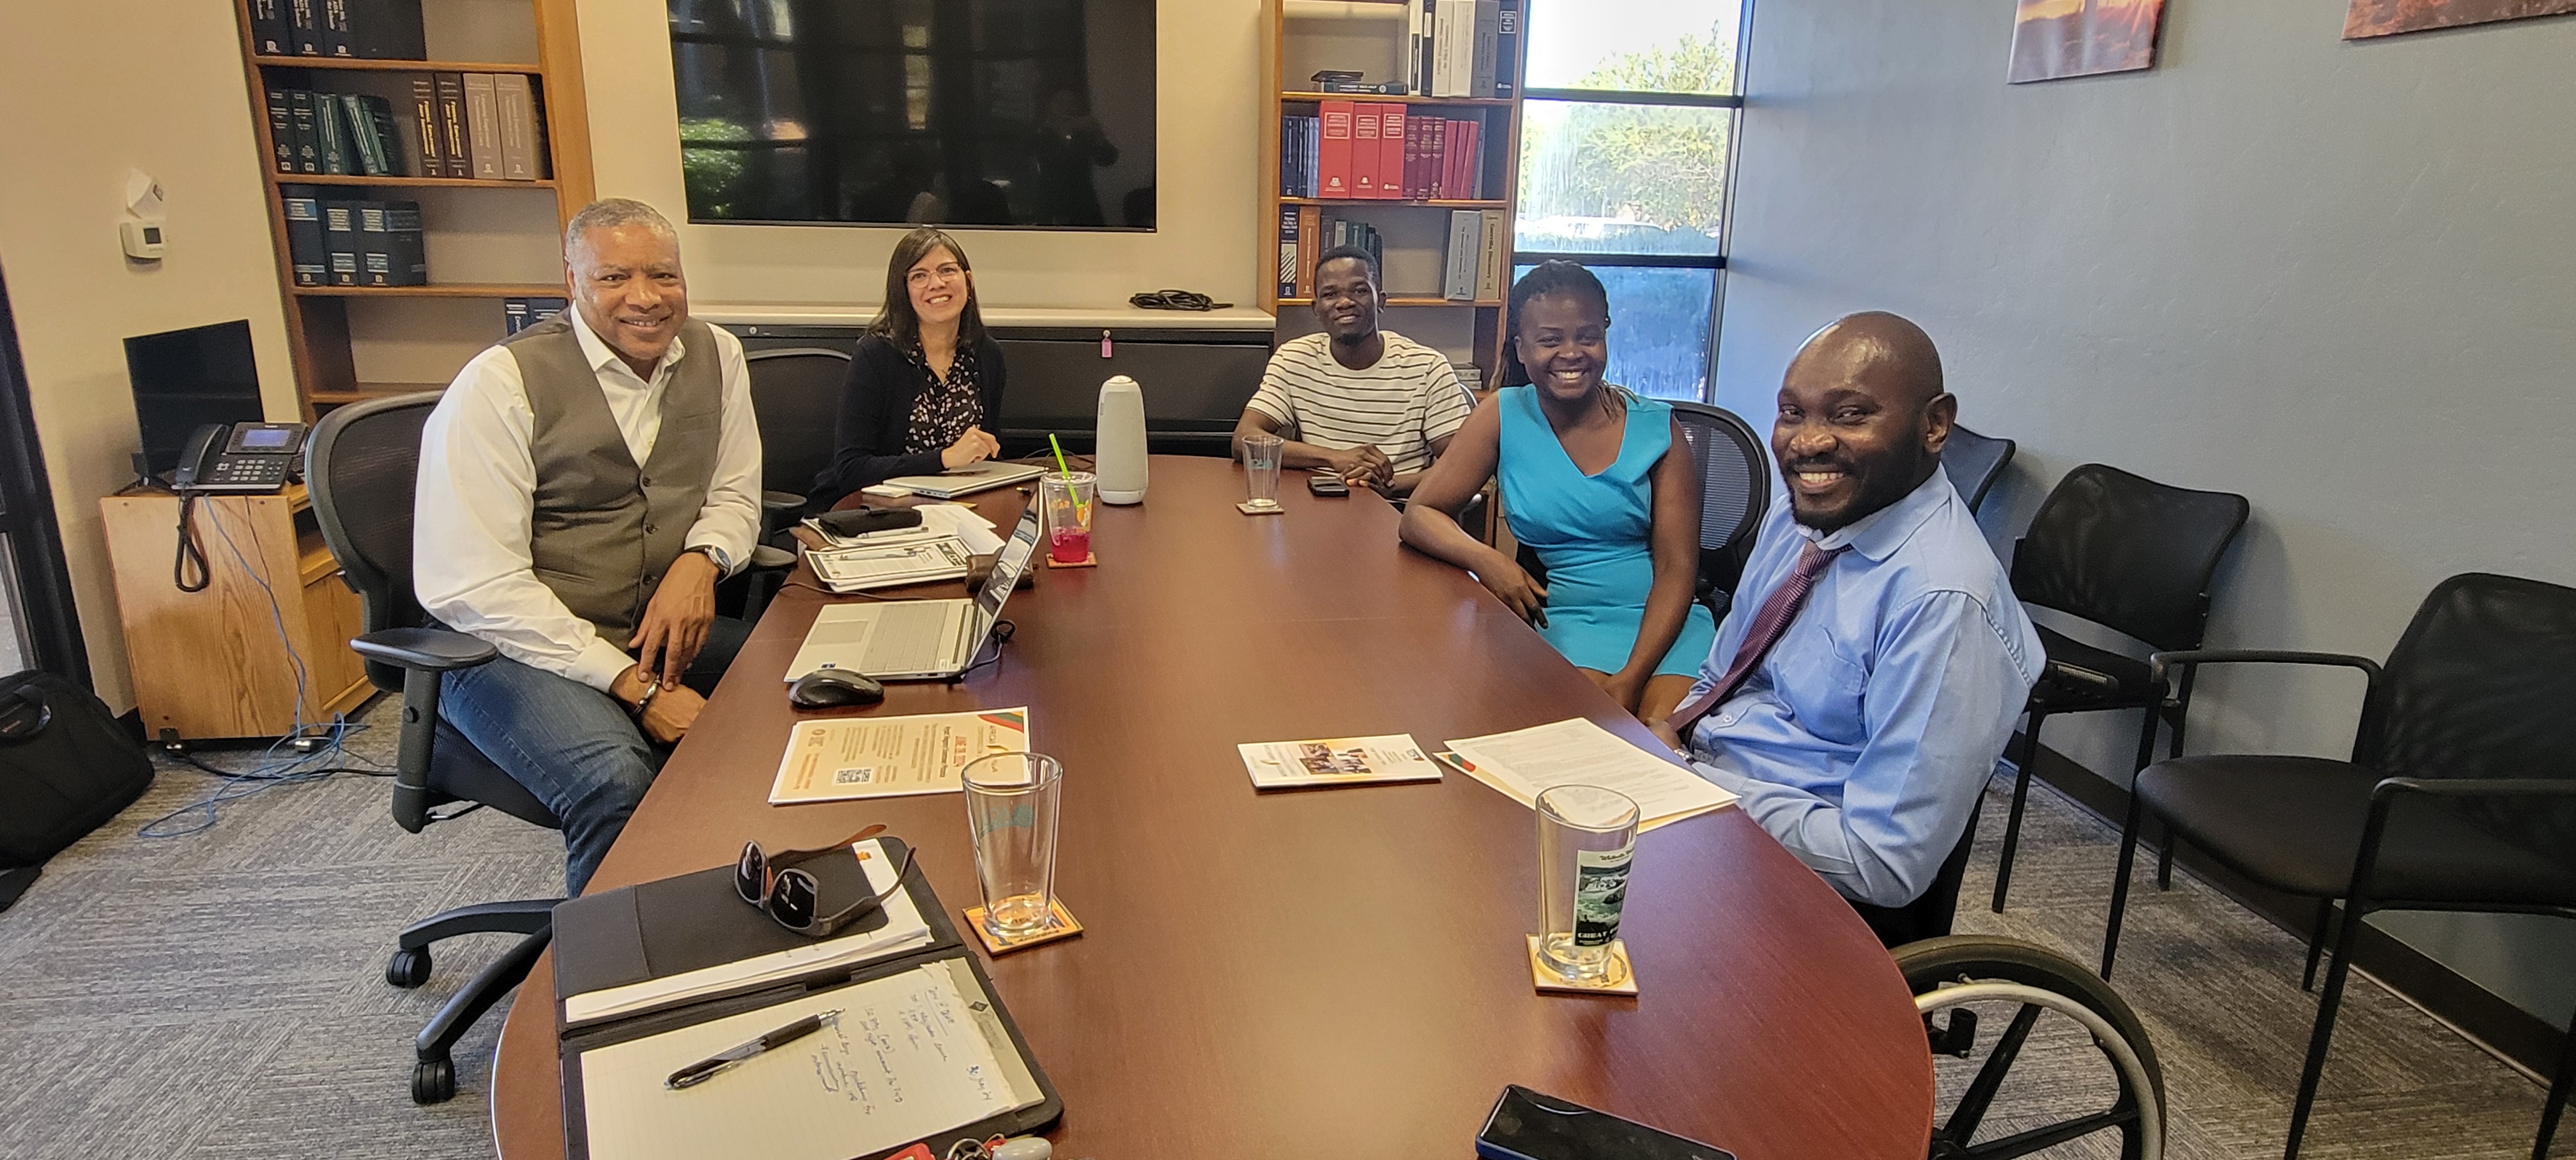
x: 1364, y: 149
x: 1333, y: 165
x: 1392, y: 125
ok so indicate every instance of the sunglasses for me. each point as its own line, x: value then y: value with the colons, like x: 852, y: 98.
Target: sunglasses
x: 791, y: 897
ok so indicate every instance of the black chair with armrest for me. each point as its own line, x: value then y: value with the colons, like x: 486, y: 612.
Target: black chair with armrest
x: 2460, y: 794
x: 1974, y: 462
x: 361, y: 469
x: 796, y: 393
x: 2134, y: 556
x: 1734, y: 491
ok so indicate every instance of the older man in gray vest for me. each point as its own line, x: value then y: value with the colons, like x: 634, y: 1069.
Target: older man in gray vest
x: 583, y: 486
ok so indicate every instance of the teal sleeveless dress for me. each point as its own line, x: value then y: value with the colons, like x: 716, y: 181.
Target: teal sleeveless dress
x: 1592, y: 532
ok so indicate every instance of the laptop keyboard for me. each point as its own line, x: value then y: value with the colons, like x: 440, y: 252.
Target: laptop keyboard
x: 907, y: 638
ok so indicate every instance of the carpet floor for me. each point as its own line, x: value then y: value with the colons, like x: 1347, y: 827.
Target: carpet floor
x: 220, y: 993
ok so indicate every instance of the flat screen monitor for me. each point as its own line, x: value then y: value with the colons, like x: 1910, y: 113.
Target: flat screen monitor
x: 184, y: 379
x: 1034, y: 114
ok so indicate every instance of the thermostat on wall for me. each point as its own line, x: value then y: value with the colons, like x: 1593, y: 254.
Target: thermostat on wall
x: 143, y: 240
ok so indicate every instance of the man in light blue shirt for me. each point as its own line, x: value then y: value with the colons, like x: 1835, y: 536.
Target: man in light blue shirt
x: 1864, y: 735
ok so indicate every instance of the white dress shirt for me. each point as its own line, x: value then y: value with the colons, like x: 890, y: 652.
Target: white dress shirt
x: 477, y: 499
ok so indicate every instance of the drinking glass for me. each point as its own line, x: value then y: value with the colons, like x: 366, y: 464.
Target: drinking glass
x: 1261, y: 468
x: 1586, y: 837
x: 1070, y: 500
x: 1012, y: 800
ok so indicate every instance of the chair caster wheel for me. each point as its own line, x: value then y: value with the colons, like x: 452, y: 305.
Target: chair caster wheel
x: 408, y: 968
x: 433, y: 1081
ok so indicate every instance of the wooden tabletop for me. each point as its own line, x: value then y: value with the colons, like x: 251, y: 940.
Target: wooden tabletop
x: 1326, y: 972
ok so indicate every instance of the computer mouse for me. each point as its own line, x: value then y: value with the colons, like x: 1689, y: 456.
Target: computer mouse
x: 832, y: 688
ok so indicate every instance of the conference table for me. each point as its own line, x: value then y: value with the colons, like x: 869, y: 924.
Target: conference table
x: 1316, y: 973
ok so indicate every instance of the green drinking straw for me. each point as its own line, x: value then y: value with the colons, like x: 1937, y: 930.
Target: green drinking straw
x: 1067, y: 473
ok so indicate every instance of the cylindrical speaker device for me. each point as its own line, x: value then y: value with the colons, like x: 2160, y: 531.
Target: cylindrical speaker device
x: 1118, y: 457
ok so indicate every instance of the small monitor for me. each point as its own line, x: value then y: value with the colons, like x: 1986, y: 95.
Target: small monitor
x: 185, y: 379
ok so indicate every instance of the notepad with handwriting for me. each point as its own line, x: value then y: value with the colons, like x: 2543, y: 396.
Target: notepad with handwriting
x: 1524, y: 763
x: 909, y: 1056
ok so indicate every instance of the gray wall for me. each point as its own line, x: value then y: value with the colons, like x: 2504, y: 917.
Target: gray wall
x: 2339, y: 279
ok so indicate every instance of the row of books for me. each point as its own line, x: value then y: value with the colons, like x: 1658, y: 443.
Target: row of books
x: 472, y: 125
x: 518, y: 314
x: 349, y: 29
x: 332, y: 242
x: 1461, y: 48
x: 1472, y: 265
x: 1373, y: 150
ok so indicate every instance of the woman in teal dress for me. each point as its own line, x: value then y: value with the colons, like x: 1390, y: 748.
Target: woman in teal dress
x: 1598, y: 482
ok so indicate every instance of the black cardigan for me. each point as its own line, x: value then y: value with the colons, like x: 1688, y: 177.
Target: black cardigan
x: 876, y: 418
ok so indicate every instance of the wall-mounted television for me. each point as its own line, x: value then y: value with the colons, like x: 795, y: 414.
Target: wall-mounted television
x: 1032, y: 114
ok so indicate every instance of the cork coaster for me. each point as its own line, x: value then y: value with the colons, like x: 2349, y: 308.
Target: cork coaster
x: 1089, y: 560
x: 1060, y: 925
x: 1622, y: 979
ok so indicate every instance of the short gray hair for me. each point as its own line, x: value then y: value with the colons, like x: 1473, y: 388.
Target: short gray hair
x: 612, y: 212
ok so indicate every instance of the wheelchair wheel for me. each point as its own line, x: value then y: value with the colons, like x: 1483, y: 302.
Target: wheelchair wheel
x: 2067, y: 1041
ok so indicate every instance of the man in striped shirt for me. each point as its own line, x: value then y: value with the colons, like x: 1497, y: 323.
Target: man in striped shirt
x: 1369, y: 405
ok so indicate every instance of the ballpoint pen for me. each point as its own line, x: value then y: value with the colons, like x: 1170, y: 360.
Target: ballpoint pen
x: 706, y: 1069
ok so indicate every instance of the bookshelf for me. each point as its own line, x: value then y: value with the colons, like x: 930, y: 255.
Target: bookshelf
x: 1370, y: 37
x: 485, y: 240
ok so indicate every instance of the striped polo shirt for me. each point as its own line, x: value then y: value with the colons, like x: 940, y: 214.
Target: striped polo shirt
x: 1408, y: 398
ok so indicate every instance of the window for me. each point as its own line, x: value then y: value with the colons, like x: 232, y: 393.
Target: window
x: 1627, y: 144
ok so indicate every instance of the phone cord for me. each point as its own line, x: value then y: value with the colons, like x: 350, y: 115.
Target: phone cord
x: 190, y: 555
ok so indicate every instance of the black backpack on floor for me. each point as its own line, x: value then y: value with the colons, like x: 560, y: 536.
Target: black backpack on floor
x: 66, y: 767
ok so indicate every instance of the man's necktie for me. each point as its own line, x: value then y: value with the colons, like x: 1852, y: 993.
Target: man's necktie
x: 1766, y: 630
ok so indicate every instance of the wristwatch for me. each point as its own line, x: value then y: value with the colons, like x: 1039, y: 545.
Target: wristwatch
x: 717, y: 557
x: 651, y: 688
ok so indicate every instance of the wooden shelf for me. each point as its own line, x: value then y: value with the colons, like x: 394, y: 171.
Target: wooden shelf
x: 365, y: 391
x: 1392, y: 99
x: 408, y: 182
x: 345, y: 63
x: 435, y: 290
x: 1434, y: 203
x: 1404, y: 300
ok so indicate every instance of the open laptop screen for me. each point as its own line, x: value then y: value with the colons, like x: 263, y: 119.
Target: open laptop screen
x: 1008, y: 565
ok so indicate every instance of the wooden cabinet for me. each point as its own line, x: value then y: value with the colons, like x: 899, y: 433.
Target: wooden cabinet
x: 271, y: 628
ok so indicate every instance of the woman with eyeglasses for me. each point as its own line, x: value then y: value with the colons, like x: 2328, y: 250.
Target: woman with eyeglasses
x: 925, y: 381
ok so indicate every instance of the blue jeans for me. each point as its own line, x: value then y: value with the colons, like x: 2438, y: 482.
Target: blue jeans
x: 573, y: 746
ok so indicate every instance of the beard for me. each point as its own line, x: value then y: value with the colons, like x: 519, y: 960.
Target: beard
x: 1869, y: 488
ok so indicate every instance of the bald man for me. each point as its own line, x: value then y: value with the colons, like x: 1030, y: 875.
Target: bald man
x: 1874, y: 660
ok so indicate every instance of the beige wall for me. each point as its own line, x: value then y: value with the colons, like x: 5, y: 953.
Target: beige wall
x: 1207, y: 84
x: 168, y: 99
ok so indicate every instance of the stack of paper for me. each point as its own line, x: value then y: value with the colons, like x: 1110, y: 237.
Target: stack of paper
x: 1522, y: 764
x: 904, y: 930
x: 922, y: 561
x: 1337, y: 761
x: 955, y: 521
x: 845, y: 758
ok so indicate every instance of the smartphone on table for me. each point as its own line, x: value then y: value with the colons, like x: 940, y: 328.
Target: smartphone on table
x: 1528, y: 1126
x: 1327, y: 483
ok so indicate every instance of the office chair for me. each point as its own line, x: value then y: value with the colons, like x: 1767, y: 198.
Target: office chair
x: 796, y: 393
x: 1974, y: 462
x: 361, y: 469
x: 2132, y: 555
x: 2460, y: 793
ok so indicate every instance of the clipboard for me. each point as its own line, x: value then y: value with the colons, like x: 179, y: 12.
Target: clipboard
x: 945, y: 947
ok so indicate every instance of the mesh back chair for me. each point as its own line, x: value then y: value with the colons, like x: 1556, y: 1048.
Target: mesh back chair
x: 2134, y: 556
x: 796, y: 395
x: 1974, y: 462
x: 361, y: 470
x: 2460, y: 794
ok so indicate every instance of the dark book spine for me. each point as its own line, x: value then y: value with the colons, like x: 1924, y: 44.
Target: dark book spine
x: 375, y: 245
x: 451, y: 125
x: 308, y: 142
x: 424, y: 111
x: 335, y: 28
x: 304, y: 24
x: 305, y: 251
x: 340, y: 241
x: 365, y: 155
x: 1507, y: 50
x: 269, y: 33
x: 389, y: 138
x: 514, y: 315
x: 1287, y: 251
x: 386, y: 30
x: 408, y: 252
x: 281, y: 130
x: 541, y: 309
x: 331, y: 133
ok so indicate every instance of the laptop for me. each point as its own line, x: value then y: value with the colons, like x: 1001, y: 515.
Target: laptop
x: 917, y: 639
x: 968, y: 480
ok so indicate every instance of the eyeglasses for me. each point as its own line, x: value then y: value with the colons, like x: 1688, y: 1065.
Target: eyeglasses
x: 941, y: 274
x: 791, y: 896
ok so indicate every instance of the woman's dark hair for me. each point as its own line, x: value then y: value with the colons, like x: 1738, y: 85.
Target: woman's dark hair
x: 1549, y: 279
x: 895, y: 321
